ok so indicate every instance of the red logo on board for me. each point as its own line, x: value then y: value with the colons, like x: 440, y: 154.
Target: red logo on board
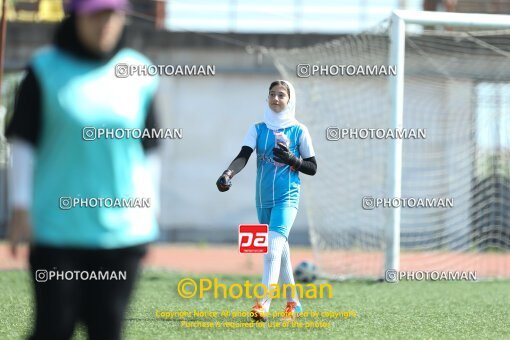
x: 253, y: 238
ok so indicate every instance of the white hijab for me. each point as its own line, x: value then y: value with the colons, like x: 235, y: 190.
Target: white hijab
x: 286, y: 118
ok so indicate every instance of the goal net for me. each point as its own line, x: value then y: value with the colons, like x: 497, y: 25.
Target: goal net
x: 457, y: 94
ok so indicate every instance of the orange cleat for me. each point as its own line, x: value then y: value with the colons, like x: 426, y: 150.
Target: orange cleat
x: 292, y: 311
x: 258, y: 313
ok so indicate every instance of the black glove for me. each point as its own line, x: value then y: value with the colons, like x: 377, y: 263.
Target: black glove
x: 282, y: 154
x: 224, y: 182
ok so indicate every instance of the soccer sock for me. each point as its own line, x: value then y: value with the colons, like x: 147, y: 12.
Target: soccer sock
x: 272, y: 261
x: 287, y: 275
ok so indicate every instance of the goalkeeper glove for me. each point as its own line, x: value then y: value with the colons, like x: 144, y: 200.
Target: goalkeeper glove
x: 282, y: 154
x: 224, y: 182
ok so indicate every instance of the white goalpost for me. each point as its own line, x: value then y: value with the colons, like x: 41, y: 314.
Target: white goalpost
x: 399, y: 20
x: 454, y: 84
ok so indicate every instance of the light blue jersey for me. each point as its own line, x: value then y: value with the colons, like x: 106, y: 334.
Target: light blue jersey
x: 278, y: 185
x: 78, y: 93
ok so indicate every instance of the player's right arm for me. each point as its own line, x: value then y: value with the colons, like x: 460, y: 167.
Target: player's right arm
x: 224, y: 182
x: 23, y: 133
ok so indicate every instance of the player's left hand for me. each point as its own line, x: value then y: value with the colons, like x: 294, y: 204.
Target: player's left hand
x: 282, y: 154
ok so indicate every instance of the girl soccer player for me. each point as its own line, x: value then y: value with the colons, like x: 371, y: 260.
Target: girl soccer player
x: 284, y: 148
x: 71, y: 85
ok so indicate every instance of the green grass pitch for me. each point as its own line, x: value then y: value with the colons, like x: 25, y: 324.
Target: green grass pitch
x: 407, y: 310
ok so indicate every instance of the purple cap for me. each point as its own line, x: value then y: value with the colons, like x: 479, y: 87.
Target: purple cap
x: 90, y: 6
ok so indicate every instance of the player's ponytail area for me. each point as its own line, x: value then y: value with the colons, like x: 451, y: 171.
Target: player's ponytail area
x: 221, y: 310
